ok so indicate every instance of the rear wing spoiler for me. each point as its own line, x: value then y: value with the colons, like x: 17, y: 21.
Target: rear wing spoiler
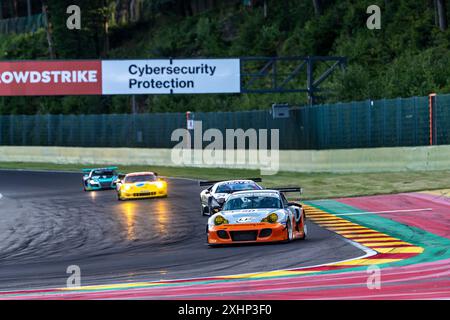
x: 87, y: 170
x: 211, y: 182
x: 288, y: 189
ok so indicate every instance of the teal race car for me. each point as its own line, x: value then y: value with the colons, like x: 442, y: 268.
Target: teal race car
x: 100, y: 178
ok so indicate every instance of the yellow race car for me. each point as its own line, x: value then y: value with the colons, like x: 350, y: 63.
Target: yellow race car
x: 140, y: 185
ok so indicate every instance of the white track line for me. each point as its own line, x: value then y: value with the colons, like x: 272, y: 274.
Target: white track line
x: 377, y: 212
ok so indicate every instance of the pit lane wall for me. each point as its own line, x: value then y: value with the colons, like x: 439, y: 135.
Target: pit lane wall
x: 338, y: 161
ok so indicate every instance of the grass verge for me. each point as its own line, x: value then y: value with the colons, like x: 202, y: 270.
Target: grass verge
x: 316, y: 185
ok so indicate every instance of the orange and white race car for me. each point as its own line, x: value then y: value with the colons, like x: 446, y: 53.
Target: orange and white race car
x: 257, y: 216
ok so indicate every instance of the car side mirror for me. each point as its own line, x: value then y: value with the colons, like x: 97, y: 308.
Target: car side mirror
x: 216, y: 208
x: 118, y: 181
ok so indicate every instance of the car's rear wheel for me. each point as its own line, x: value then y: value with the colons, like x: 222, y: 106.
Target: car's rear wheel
x: 289, y: 231
x: 204, y: 210
x: 305, y: 232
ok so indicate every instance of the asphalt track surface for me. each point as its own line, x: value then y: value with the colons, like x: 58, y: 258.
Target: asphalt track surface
x: 48, y: 223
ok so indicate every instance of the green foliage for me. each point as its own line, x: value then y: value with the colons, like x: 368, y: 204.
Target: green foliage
x: 23, y: 46
x: 89, y: 42
x: 408, y: 56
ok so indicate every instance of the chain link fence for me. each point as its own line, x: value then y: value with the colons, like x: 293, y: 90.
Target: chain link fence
x: 364, y: 124
x: 22, y: 24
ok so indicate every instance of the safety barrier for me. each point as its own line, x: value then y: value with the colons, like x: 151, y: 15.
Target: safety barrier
x: 337, y: 161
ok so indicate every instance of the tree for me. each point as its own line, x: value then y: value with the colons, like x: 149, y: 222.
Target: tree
x: 318, y: 8
x: 89, y: 42
x: 48, y: 30
x: 441, y: 9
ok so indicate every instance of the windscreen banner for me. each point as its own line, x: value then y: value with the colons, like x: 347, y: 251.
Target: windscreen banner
x: 115, y: 77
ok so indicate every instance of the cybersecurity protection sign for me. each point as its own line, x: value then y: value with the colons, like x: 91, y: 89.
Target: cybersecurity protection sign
x: 110, y: 77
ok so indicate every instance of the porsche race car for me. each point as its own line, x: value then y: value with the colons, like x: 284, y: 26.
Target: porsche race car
x: 219, y: 191
x: 99, y: 178
x: 257, y: 216
x: 139, y: 185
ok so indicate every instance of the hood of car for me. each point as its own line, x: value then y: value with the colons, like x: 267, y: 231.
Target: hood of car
x: 143, y: 184
x: 249, y: 215
x: 101, y: 179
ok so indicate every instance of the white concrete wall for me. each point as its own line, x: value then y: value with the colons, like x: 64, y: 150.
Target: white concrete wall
x: 343, y: 160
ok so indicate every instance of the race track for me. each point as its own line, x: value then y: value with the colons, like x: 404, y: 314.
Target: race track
x: 48, y: 223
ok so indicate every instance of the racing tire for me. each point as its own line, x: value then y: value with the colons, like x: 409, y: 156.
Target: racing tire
x: 204, y: 211
x: 289, y: 232
x: 305, y: 232
x: 119, y: 198
x: 305, y: 228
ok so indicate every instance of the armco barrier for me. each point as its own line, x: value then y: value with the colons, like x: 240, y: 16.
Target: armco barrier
x: 337, y: 161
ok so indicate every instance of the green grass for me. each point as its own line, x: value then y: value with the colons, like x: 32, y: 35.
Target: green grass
x: 316, y: 185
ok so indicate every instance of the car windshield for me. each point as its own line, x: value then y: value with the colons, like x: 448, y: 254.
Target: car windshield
x: 103, y: 173
x: 142, y: 178
x: 253, y: 202
x: 233, y: 187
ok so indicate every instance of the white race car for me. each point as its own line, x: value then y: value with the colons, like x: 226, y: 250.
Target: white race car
x: 219, y: 191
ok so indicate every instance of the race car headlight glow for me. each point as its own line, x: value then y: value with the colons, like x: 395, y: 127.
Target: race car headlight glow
x: 220, y: 220
x: 127, y: 187
x: 271, y: 218
x: 159, y: 184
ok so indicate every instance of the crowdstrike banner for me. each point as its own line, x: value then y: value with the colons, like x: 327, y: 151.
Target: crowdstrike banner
x: 48, y: 78
x: 109, y: 77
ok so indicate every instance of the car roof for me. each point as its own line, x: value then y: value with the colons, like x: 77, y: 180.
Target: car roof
x: 256, y: 191
x: 133, y: 174
x: 234, y: 181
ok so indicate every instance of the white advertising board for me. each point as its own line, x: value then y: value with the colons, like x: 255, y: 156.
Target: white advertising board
x: 167, y: 76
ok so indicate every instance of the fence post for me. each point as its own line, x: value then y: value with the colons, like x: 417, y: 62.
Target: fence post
x: 48, y: 129
x: 24, y: 130
x: 416, y: 123
x: 432, y: 122
x: 11, y: 130
x: 369, y: 122
x: 398, y: 116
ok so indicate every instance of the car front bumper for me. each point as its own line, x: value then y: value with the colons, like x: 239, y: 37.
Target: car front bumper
x: 143, y: 194
x: 247, y: 233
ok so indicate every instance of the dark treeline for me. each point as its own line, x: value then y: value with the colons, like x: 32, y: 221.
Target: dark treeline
x: 408, y: 56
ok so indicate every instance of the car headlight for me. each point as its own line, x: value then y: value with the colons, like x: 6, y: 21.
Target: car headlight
x: 271, y: 218
x: 220, y: 220
x: 127, y: 188
x: 93, y: 182
x: 159, y: 184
